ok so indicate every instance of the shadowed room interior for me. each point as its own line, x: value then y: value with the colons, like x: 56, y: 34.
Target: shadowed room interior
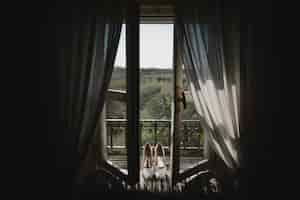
x: 225, y: 48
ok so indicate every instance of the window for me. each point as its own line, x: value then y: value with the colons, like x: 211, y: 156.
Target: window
x: 143, y: 103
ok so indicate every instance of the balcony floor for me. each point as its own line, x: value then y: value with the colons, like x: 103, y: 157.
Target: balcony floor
x: 185, y: 162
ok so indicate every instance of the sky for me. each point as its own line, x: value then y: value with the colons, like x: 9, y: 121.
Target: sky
x: 156, y: 46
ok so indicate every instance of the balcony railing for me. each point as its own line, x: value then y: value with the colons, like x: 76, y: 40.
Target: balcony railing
x: 155, y: 131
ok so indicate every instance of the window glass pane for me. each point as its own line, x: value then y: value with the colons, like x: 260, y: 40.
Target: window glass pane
x: 156, y: 94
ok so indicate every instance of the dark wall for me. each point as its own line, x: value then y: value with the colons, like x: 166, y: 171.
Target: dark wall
x: 262, y: 99
x: 58, y: 161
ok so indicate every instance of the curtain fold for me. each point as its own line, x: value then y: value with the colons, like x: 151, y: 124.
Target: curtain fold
x: 88, y: 44
x: 103, y: 60
x: 210, y: 57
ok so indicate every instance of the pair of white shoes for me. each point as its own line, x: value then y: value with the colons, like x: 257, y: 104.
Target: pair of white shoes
x: 154, y: 162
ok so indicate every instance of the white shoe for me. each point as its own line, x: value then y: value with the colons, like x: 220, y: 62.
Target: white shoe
x: 147, y: 170
x: 159, y: 160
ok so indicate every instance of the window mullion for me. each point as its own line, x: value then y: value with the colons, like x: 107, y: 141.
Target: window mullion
x: 132, y: 62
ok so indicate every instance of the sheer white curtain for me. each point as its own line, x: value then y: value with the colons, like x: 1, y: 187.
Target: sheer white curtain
x: 211, y: 63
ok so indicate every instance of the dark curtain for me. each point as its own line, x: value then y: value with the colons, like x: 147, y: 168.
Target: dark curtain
x: 259, y: 92
x: 86, y: 67
x: 78, y: 44
x: 260, y: 101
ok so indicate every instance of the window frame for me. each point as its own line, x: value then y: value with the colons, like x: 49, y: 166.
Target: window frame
x: 135, y: 15
x: 132, y: 100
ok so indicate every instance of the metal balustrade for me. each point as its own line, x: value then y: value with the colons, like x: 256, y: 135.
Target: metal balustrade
x: 155, y: 131
x: 159, y: 131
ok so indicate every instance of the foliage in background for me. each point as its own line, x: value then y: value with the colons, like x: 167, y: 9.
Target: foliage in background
x: 156, y: 93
